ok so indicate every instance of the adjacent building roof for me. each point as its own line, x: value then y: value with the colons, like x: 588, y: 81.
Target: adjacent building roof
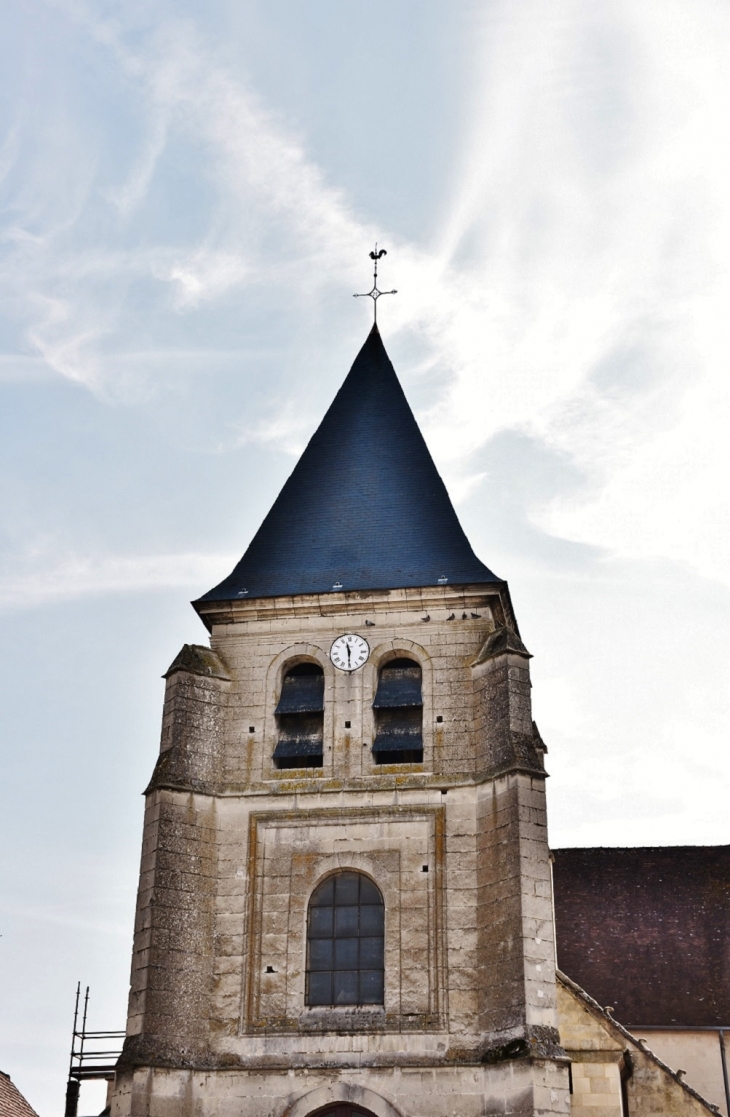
x: 647, y: 931
x: 365, y: 507
x: 12, y: 1102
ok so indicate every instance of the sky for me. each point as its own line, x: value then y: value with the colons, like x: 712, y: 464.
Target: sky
x: 189, y: 192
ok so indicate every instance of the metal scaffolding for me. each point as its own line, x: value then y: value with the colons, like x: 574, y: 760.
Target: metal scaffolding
x: 89, y: 1062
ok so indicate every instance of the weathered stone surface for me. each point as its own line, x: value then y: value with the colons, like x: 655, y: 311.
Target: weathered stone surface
x: 606, y: 1061
x: 234, y: 847
x: 502, y: 641
x: 519, y: 1089
x: 197, y: 659
x: 192, y: 743
x: 698, y: 1053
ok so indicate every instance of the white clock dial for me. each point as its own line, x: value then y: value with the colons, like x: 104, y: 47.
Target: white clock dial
x: 349, y: 652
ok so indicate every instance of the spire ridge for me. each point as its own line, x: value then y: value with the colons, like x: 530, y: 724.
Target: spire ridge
x: 364, y: 508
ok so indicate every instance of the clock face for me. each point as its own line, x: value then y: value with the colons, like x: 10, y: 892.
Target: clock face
x: 349, y: 652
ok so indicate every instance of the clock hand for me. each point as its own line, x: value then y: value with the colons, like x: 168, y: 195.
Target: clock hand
x: 348, y: 654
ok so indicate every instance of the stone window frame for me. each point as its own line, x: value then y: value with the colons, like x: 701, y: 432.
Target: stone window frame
x: 377, y: 866
x: 309, y: 867
x: 278, y: 667
x: 380, y: 656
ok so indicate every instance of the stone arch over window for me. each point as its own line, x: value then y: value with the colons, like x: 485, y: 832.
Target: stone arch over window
x: 300, y: 717
x: 358, y: 1097
x: 345, y: 942
x: 398, y: 710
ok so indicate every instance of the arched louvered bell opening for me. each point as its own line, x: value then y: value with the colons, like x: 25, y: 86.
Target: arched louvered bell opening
x: 300, y: 718
x: 398, y: 710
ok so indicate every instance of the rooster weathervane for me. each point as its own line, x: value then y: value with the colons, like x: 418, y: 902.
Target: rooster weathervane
x: 375, y: 294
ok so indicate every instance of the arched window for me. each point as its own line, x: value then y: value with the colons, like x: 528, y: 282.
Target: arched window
x: 300, y: 718
x: 398, y: 710
x: 345, y: 929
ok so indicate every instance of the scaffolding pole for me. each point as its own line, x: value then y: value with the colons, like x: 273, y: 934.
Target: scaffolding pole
x: 88, y: 1062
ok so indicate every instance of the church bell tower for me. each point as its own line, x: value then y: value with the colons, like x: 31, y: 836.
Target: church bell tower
x: 345, y: 903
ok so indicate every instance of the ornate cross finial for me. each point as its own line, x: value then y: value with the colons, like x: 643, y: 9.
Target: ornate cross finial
x: 375, y: 293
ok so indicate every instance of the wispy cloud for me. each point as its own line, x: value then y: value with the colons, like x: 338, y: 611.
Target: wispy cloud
x: 127, y: 195
x: 577, y: 291
x: 40, y: 582
x: 591, y: 217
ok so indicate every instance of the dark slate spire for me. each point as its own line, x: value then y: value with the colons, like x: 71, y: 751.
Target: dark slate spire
x: 364, y: 509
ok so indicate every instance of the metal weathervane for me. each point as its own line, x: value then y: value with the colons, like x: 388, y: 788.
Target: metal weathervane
x: 375, y: 293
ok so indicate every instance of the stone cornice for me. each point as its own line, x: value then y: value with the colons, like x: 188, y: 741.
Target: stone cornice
x: 367, y: 603
x: 525, y: 1043
x: 415, y: 781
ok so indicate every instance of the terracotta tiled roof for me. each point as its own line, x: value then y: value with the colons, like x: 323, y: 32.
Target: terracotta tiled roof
x: 647, y: 931
x: 12, y: 1102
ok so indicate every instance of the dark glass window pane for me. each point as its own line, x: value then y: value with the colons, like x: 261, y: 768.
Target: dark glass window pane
x: 346, y: 954
x: 371, y: 920
x: 345, y: 987
x: 371, y: 987
x: 346, y: 922
x: 320, y: 923
x: 369, y: 894
x: 347, y: 888
x: 320, y: 989
x: 320, y: 954
x: 324, y: 896
x: 371, y: 953
x: 345, y: 942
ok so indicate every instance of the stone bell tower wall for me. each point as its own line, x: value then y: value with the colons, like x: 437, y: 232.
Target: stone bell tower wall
x: 234, y: 846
